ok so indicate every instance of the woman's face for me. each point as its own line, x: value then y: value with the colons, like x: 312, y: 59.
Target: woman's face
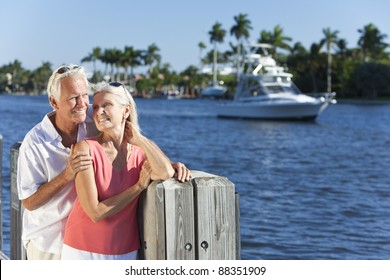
x: 107, y: 112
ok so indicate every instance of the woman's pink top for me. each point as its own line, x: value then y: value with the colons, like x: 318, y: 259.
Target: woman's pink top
x: 117, y: 234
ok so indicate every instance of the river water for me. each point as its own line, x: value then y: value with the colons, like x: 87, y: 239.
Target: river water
x: 308, y: 190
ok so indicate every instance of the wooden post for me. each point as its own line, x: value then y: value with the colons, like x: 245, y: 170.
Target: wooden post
x: 17, y: 251
x: 1, y: 197
x: 191, y: 220
x: 238, y: 231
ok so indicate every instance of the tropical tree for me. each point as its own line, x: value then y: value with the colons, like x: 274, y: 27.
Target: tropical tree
x: 217, y: 35
x: 189, y: 79
x: 151, y: 56
x: 40, y: 76
x: 108, y: 59
x: 371, y: 80
x: 372, y: 43
x: 18, y: 77
x: 201, y: 47
x: 131, y: 59
x: 343, y: 67
x: 297, y: 48
x: 275, y: 38
x: 330, y: 39
x: 117, y: 59
x: 314, y: 64
x: 241, y: 31
x: 93, y: 57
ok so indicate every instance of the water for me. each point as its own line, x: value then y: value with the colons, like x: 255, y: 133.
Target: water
x: 308, y: 190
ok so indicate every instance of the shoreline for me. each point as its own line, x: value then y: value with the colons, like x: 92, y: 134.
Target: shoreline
x: 348, y: 101
x: 363, y: 101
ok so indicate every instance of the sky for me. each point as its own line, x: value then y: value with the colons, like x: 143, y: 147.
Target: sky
x: 37, y: 31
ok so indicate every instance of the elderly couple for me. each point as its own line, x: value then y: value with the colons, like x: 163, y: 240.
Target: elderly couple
x: 82, y: 169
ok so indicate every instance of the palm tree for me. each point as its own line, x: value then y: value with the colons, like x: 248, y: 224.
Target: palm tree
x: 371, y: 42
x: 92, y: 57
x: 314, y: 64
x: 117, y: 58
x: 240, y: 30
x: 275, y: 38
x: 201, y: 47
x: 40, y: 75
x: 17, y: 76
x: 96, y: 53
x: 132, y: 59
x: 329, y: 40
x: 297, y: 48
x: 151, y: 56
x: 109, y: 58
x: 342, y: 48
x: 217, y: 35
x: 190, y: 78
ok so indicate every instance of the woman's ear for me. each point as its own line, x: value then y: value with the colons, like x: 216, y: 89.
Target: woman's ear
x: 127, y: 112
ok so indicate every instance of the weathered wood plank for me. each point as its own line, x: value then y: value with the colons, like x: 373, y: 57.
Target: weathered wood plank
x: 215, y: 218
x: 17, y: 251
x: 238, y: 231
x: 152, y: 222
x: 1, y: 197
x: 179, y: 220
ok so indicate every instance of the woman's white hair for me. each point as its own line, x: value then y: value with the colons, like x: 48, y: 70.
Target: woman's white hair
x: 123, y: 97
x: 70, y: 70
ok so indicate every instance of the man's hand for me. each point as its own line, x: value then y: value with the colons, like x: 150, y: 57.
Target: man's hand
x: 77, y: 161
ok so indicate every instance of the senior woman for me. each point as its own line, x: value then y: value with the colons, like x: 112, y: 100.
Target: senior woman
x: 103, y: 222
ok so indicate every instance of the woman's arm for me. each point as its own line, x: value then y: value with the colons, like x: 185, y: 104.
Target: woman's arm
x: 88, y: 194
x: 159, y: 162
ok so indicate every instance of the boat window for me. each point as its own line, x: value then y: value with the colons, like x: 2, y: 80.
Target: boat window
x: 275, y: 89
x: 256, y: 91
x: 255, y: 88
x: 281, y: 89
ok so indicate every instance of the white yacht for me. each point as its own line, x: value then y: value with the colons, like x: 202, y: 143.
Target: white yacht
x: 215, y: 92
x: 268, y: 92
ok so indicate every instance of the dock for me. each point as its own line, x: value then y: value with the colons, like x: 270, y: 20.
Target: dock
x: 194, y: 220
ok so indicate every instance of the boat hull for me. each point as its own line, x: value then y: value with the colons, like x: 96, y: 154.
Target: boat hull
x: 249, y: 110
x: 214, y: 92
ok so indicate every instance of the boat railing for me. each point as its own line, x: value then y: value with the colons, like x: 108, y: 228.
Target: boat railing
x: 329, y: 97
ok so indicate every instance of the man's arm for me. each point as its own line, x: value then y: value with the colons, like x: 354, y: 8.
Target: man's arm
x: 46, y: 191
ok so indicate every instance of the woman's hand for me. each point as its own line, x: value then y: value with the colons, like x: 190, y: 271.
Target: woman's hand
x: 132, y: 135
x: 182, y: 173
x: 145, y: 176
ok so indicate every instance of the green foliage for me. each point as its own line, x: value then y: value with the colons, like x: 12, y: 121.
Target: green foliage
x: 370, y: 80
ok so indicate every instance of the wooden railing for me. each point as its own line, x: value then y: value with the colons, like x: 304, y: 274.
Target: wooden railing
x: 195, y: 220
x: 198, y: 219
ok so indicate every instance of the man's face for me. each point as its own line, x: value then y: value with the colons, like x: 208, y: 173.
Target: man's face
x: 73, y: 103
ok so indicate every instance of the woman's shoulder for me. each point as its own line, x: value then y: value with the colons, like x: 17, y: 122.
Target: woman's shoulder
x: 82, y: 145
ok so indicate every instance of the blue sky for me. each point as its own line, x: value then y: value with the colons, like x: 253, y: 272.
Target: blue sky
x: 37, y: 31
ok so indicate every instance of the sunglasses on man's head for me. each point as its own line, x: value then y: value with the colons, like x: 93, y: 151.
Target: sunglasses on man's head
x: 65, y: 69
